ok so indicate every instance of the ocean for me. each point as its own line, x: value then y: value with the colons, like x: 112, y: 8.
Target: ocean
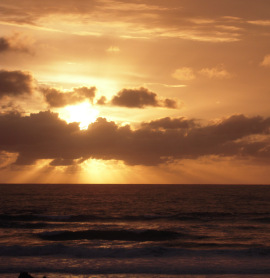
x: 187, y: 231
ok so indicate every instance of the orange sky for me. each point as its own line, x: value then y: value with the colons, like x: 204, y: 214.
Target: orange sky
x: 142, y: 91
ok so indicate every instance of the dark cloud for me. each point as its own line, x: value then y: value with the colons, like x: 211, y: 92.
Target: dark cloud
x: 56, y: 98
x: 62, y: 162
x: 170, y: 123
x: 170, y: 103
x: 45, y: 136
x: 102, y: 100
x: 140, y: 98
x: 4, y: 44
x: 11, y: 107
x: 41, y: 134
x: 15, y: 83
x: 132, y: 98
x: 16, y: 42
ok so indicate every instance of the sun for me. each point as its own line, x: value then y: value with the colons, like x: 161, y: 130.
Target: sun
x: 82, y: 113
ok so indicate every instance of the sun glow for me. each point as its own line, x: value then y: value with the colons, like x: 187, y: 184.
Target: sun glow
x: 82, y: 113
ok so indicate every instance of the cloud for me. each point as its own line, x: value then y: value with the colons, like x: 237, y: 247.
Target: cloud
x: 147, y: 19
x: 15, y: 83
x: 140, y: 98
x: 167, y: 85
x: 170, y: 103
x: 10, y: 106
x: 184, y: 74
x: 6, y: 159
x: 4, y: 44
x: 266, y: 61
x: 42, y: 134
x: 45, y: 136
x: 187, y: 73
x: 216, y: 72
x: 62, y: 162
x: 135, y: 98
x: 16, y: 42
x: 102, y: 100
x: 56, y: 98
x: 260, y: 22
x: 170, y: 123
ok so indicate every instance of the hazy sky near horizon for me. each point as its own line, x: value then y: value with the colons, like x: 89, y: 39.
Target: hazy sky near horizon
x: 141, y: 91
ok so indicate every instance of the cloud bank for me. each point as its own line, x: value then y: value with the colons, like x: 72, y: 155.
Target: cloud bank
x: 45, y: 136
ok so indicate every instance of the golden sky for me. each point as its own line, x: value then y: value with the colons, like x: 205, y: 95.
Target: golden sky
x: 142, y: 91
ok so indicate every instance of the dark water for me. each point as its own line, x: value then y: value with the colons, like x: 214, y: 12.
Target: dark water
x: 135, y: 230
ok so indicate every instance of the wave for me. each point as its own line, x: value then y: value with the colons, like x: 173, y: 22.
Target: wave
x: 61, y: 250
x: 262, y: 219
x: 143, y: 271
x: 121, y: 235
x: 34, y: 217
x: 194, y: 216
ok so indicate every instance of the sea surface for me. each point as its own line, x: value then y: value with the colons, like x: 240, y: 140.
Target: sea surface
x: 187, y: 231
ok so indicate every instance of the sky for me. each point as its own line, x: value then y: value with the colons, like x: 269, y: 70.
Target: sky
x: 140, y: 91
